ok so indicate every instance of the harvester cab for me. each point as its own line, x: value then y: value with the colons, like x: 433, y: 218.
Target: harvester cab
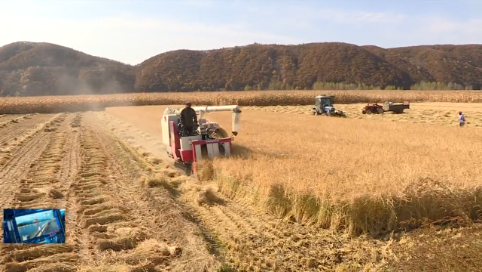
x: 209, y: 140
x: 324, y: 106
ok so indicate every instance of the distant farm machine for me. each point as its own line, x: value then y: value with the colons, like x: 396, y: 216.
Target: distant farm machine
x: 396, y: 108
x: 208, y: 140
x: 324, y: 106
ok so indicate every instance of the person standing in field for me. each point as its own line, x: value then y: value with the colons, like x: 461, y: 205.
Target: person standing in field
x: 461, y: 119
x: 188, y: 119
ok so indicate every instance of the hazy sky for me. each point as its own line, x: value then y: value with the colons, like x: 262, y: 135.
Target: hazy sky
x: 132, y: 31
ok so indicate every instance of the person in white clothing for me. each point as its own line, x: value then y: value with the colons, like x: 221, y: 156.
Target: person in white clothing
x: 461, y: 119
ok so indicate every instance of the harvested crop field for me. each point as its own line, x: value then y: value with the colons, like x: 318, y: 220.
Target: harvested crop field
x: 69, y: 161
x: 304, y: 193
x: 445, y: 114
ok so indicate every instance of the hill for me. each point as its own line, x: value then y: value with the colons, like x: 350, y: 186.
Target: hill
x: 260, y: 65
x: 460, y: 64
x: 288, y: 67
x: 31, y: 69
x: 48, y: 69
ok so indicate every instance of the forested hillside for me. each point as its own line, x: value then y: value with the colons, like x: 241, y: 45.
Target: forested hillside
x: 31, y: 69
x: 28, y: 69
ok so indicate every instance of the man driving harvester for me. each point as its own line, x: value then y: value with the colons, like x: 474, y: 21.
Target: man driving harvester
x: 188, y: 120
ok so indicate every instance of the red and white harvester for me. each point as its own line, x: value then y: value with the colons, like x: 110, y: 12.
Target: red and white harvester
x: 209, y: 140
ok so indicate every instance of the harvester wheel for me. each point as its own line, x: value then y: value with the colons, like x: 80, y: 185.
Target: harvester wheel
x: 363, y: 112
x: 380, y: 110
x: 368, y: 111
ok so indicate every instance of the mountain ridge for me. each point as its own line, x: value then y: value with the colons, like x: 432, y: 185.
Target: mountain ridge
x: 32, y: 69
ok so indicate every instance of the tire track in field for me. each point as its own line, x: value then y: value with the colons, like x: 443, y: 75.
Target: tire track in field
x: 71, y: 165
x: 172, y: 221
x: 9, y: 136
x: 39, y: 188
x: 61, y: 163
x: 177, y: 248
x: 15, y: 165
x: 111, y: 225
x: 71, y: 150
x: 11, y: 116
x: 14, y: 119
x: 259, y: 242
x: 36, y: 192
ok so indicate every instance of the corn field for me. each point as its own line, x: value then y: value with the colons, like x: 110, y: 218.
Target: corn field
x: 50, y: 104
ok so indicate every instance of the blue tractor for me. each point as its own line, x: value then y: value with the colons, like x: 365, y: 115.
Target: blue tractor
x: 324, y: 106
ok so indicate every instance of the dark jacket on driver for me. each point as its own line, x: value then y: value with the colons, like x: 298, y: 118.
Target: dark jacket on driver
x: 188, y: 117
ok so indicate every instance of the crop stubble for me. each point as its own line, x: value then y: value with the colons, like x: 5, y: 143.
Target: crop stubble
x: 445, y: 114
x: 251, y: 239
x: 37, y: 190
x: 438, y: 182
x: 22, y: 143
x: 351, y: 162
x: 105, y: 170
x: 70, y: 164
x: 363, y: 176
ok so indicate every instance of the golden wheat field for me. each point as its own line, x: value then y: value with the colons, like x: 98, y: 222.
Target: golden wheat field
x: 303, y: 193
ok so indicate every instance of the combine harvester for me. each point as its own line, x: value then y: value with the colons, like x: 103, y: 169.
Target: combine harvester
x: 209, y: 140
